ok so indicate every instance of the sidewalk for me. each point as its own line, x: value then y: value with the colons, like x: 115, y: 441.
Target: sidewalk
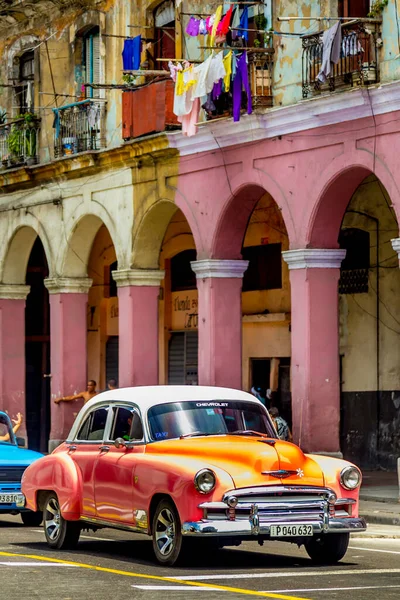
x: 379, y: 498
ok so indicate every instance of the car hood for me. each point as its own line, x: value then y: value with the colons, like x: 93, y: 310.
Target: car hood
x: 249, y: 461
x: 13, y: 456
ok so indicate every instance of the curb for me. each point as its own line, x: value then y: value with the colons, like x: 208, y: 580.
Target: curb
x: 382, y: 519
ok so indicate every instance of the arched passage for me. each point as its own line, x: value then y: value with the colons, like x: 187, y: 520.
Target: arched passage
x: 355, y: 212
x: 149, y: 234
x: 26, y: 261
x: 369, y: 318
x: 37, y: 350
x: 178, y: 312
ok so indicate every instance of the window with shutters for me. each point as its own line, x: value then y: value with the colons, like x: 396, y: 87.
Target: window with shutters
x: 91, y: 59
x: 25, y: 88
x: 353, y: 8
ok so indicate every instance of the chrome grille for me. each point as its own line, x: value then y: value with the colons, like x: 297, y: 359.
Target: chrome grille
x: 11, y: 474
x: 274, y: 503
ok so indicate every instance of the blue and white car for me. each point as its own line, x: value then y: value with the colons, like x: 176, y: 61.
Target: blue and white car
x: 13, y: 462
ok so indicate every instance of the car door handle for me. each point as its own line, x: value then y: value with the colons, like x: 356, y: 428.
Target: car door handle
x: 71, y: 449
x: 104, y: 448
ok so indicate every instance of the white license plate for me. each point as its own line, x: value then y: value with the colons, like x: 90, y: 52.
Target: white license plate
x: 8, y: 498
x: 291, y: 530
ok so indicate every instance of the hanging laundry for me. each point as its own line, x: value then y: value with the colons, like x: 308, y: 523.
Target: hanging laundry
x: 241, y: 82
x: 208, y: 73
x: 227, y: 60
x: 217, y: 90
x: 210, y: 23
x: 203, y: 27
x: 173, y: 69
x: 235, y: 23
x: 218, y: 15
x: 351, y: 45
x: 131, y: 53
x: 224, y: 25
x: 244, y: 23
x: 193, y: 27
x: 332, y: 42
x: 189, y: 121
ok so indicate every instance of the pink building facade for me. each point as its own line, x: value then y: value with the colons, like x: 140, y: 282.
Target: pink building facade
x: 311, y: 165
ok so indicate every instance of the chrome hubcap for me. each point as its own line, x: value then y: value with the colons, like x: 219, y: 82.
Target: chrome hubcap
x: 52, y: 519
x: 165, y: 532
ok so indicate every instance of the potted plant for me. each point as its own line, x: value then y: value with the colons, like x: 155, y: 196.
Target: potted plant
x: 22, y: 139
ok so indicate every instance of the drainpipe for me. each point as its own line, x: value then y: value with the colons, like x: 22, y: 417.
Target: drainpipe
x: 378, y: 382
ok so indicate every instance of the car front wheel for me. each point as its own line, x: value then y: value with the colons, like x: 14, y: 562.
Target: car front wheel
x: 32, y: 519
x: 327, y: 548
x: 167, y: 535
x: 60, y: 534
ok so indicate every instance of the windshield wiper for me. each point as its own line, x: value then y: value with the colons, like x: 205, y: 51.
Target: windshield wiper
x: 248, y: 432
x: 196, y: 433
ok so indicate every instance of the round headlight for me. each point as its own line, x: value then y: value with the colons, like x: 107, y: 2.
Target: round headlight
x: 204, y: 481
x: 350, y: 478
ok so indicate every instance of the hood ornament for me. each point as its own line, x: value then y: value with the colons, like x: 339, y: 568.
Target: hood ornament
x: 283, y: 473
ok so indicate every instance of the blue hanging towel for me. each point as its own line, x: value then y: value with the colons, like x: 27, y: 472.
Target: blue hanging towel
x: 244, y: 24
x: 131, y: 53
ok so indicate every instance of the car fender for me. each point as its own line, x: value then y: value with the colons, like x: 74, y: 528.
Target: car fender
x: 58, y: 473
x: 174, y: 476
x: 331, y: 468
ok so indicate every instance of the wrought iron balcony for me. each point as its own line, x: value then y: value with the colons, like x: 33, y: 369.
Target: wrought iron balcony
x: 19, y: 142
x: 79, y: 127
x: 358, y: 64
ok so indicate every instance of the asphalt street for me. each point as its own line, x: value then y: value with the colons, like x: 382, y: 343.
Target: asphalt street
x: 112, y: 564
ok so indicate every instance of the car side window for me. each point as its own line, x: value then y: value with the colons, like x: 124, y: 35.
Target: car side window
x: 93, y: 427
x: 127, y: 425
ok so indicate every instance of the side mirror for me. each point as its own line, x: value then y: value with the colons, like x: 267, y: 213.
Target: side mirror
x: 21, y: 442
x: 120, y: 443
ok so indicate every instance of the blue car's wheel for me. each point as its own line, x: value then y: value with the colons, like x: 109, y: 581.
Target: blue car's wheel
x: 60, y: 534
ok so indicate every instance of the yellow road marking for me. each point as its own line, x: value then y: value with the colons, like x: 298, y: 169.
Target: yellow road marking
x: 210, y: 586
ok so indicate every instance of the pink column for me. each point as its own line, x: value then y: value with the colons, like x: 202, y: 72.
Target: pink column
x: 12, y: 350
x: 68, y: 350
x: 138, y: 292
x: 219, y: 283
x: 314, y: 276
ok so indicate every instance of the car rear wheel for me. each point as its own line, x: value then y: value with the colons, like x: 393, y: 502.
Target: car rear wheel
x: 32, y: 519
x: 327, y: 548
x: 167, y: 535
x: 60, y: 534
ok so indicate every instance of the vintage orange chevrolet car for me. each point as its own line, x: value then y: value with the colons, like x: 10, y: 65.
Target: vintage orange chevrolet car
x: 191, y: 462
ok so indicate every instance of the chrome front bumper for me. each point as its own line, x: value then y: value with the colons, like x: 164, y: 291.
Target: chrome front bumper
x: 255, y: 527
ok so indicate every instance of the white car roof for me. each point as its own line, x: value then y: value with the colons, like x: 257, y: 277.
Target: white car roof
x: 147, y: 396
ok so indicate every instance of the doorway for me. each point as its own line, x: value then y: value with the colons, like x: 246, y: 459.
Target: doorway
x: 37, y: 351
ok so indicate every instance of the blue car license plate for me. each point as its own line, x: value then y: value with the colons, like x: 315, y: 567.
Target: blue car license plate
x: 8, y: 498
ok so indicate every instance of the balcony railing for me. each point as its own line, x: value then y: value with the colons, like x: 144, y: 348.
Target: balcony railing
x: 358, y: 63
x: 79, y: 127
x: 19, y: 142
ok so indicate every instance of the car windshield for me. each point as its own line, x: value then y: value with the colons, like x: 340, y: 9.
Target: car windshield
x: 220, y: 417
x: 6, y: 434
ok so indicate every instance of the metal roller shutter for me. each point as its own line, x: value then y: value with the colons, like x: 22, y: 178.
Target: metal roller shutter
x: 183, y: 358
x: 112, y: 358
